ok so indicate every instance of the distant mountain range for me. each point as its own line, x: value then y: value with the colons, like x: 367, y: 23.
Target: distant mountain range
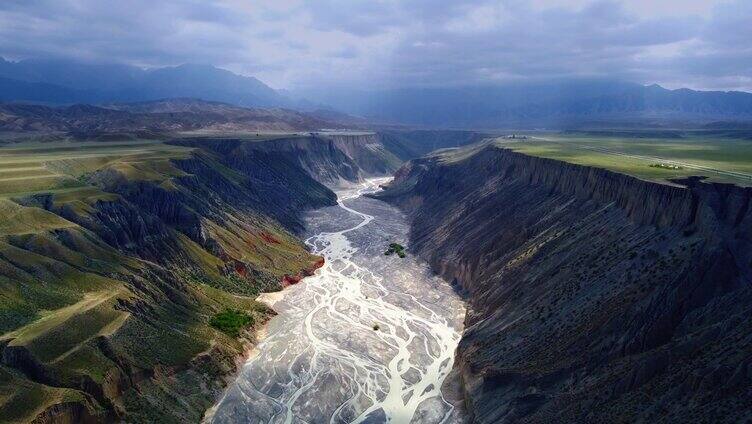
x: 559, y: 104
x: 563, y: 104
x: 66, y: 82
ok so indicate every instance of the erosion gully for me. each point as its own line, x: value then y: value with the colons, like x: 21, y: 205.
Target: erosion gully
x: 369, y: 338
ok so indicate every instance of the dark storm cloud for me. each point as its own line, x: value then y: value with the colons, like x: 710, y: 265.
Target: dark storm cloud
x: 699, y: 43
x: 135, y: 31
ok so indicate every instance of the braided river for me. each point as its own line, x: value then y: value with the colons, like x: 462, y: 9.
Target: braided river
x: 370, y: 338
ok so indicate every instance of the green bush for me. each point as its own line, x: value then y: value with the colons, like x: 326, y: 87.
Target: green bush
x: 230, y: 321
x: 396, y: 248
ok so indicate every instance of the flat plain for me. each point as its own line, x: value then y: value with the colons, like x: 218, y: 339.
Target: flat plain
x: 57, y: 166
x: 655, y: 156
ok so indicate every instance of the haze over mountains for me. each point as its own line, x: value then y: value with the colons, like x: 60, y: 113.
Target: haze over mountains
x: 62, y: 81
x: 553, y: 104
x: 563, y: 103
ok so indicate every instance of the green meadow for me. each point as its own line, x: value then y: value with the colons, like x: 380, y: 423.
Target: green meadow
x: 653, y: 156
x: 57, y: 166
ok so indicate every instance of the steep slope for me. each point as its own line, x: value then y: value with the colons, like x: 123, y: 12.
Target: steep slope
x: 330, y: 157
x: 367, y: 150
x: 109, y: 288
x: 595, y: 297
x: 206, y: 82
x: 69, y: 73
x: 336, y: 157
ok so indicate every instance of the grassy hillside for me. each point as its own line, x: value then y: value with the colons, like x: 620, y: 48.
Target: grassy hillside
x: 115, y: 258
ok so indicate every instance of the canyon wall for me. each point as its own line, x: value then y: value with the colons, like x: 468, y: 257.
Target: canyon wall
x: 108, y: 291
x: 593, y: 296
x: 330, y: 158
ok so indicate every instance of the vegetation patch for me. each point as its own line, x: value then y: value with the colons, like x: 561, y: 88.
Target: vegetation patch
x: 234, y: 284
x: 230, y: 321
x: 666, y: 166
x: 395, y: 248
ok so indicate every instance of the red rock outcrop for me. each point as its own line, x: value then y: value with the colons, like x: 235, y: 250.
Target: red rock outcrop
x: 288, y: 280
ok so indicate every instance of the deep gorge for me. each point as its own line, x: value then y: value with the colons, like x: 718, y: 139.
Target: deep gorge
x: 592, y: 296
x: 136, y: 264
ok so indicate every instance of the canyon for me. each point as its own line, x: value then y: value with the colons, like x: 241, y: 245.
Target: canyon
x: 368, y: 338
x: 114, y: 267
x: 533, y: 290
x: 368, y: 212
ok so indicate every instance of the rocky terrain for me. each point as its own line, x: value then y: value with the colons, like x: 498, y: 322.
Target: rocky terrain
x: 329, y: 159
x: 594, y: 296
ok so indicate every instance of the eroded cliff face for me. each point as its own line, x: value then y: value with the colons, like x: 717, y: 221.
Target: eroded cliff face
x: 113, y: 285
x: 368, y: 151
x: 330, y: 158
x: 334, y: 158
x: 594, y: 296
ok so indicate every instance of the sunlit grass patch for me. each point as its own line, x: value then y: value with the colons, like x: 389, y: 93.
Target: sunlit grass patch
x: 17, y: 219
x: 719, y: 159
x: 36, y: 167
x: 231, y: 321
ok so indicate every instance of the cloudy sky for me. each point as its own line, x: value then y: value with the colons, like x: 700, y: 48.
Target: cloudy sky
x: 704, y: 44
